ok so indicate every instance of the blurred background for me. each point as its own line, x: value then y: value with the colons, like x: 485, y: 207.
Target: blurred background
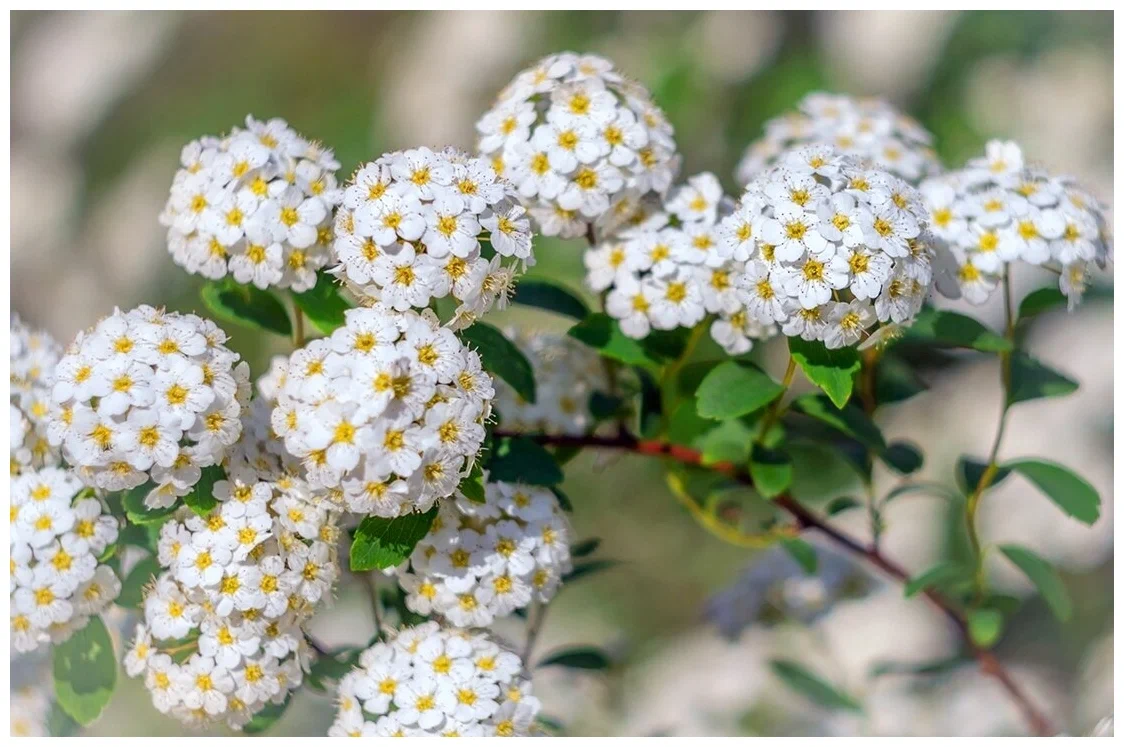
x: 102, y: 102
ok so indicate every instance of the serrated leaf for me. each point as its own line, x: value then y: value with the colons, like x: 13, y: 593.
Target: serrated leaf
x: 522, y: 460
x: 501, y: 357
x: 246, y: 305
x: 581, y: 657
x: 771, y: 470
x: 938, y: 575
x: 903, y: 457
x: 202, y: 499
x: 803, y: 553
x: 985, y: 626
x: 323, y: 304
x: 970, y: 471
x: 1032, y: 379
x: 384, y: 543
x: 812, y: 687
x: 546, y: 295
x: 267, y: 717
x: 850, y: 420
x: 1070, y: 492
x: 472, y: 486
x: 950, y: 329
x: 585, y: 547
x: 132, y: 588
x: 602, y: 333
x: 833, y: 371
x: 1044, y: 577
x: 733, y: 389
x: 1039, y: 301
x: 85, y: 672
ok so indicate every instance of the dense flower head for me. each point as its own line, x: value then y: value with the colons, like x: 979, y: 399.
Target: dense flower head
x: 482, y: 561
x: 414, y: 225
x: 869, y: 129
x: 58, y: 532
x: 433, y: 681
x: 580, y: 142
x: 665, y: 271
x: 567, y: 373
x: 999, y: 209
x: 830, y: 247
x: 387, y: 413
x: 221, y: 636
x: 256, y: 204
x: 148, y: 395
x: 34, y: 355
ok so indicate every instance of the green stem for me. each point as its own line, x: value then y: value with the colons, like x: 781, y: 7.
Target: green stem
x: 769, y: 419
x: 298, y: 327
x: 992, y: 469
x: 376, y: 603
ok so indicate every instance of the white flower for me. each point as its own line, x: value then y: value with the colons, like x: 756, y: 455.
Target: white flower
x: 575, y: 139
x: 429, y: 681
x: 34, y: 367
x: 253, y: 204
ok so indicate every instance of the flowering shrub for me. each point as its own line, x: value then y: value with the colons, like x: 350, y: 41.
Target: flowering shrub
x: 407, y: 447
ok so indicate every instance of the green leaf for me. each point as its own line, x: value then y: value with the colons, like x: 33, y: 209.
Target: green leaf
x: 202, y: 499
x: 949, y: 329
x: 266, y: 717
x: 802, y: 553
x: 928, y: 488
x: 384, y: 543
x: 137, y: 512
x: 1045, y: 578
x: 685, y: 425
x: 969, y: 472
x: 1031, y: 379
x: 59, y: 723
x: 896, y: 381
x: 841, y: 504
x: 132, y: 588
x: 323, y: 304
x: 543, y: 294
x: 833, y: 371
x: 246, y: 304
x: 771, y: 470
x: 563, y: 499
x: 985, y: 626
x: 1043, y: 299
x: 522, y: 460
x: 85, y: 672
x: 602, y: 333
x: 605, y: 407
x: 588, y: 568
x: 472, y: 486
x: 733, y: 389
x: 850, y: 420
x: 580, y: 657
x: 1071, y: 493
x: 500, y: 356
x: 332, y: 667
x: 903, y: 457
x: 728, y: 442
x: 812, y: 687
x: 585, y: 547
x: 938, y: 575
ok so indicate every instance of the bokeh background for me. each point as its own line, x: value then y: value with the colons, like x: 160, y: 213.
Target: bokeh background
x: 102, y: 102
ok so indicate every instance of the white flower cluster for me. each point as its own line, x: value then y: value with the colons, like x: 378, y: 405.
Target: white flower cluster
x: 389, y: 409
x: 34, y: 355
x: 148, y: 394
x: 566, y: 373
x: 999, y: 209
x: 222, y: 636
x: 430, y: 681
x: 482, y: 561
x: 666, y: 271
x: 29, y: 711
x: 411, y: 227
x: 869, y: 129
x: 57, y: 537
x: 256, y: 204
x: 580, y: 142
x: 830, y: 246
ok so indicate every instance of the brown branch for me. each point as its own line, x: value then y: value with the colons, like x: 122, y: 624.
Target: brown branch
x: 805, y: 519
